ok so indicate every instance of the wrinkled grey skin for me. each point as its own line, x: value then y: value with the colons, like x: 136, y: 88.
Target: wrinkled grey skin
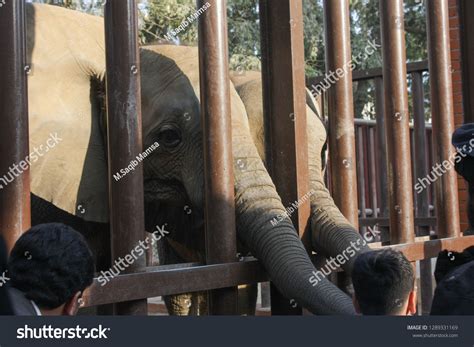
x: 173, y: 174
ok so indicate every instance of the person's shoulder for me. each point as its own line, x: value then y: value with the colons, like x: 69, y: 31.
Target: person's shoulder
x: 20, y: 304
x: 454, y: 294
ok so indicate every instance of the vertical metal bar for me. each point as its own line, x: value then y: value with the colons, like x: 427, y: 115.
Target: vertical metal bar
x: 360, y: 166
x: 14, y: 184
x: 219, y: 178
x: 285, y: 113
x: 124, y: 121
x: 373, y: 172
x: 381, y: 155
x: 382, y: 147
x: 422, y: 208
x: 439, y: 56
x: 341, y: 108
x: 397, y: 122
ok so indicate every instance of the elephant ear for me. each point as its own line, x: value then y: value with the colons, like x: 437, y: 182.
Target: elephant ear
x: 66, y: 49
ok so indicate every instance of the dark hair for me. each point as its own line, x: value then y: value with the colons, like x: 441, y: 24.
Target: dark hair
x: 50, y: 263
x: 382, y: 280
x: 450, y: 260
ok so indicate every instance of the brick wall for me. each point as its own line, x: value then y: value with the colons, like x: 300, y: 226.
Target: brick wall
x: 457, y: 95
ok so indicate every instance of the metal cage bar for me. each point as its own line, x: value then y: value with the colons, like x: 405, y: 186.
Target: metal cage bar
x: 422, y: 208
x: 185, y: 278
x: 342, y: 146
x: 441, y: 83
x: 221, y: 241
x: 15, y: 207
x: 397, y: 129
x: 284, y: 104
x: 124, y: 135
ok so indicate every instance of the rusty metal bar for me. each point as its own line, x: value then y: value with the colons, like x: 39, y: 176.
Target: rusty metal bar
x: 285, y: 113
x: 176, y: 279
x: 382, y: 148
x: 369, y: 74
x: 185, y: 278
x: 422, y: 208
x: 14, y: 184
x: 382, y: 177
x: 360, y: 167
x: 439, y: 55
x: 384, y: 222
x: 221, y: 241
x: 397, y: 129
x: 124, y: 121
x: 373, y: 172
x: 342, y: 147
x: 430, y: 249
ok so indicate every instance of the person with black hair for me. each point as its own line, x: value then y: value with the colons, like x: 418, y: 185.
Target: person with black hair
x: 49, y: 267
x: 454, y: 274
x: 449, y: 260
x: 384, y: 284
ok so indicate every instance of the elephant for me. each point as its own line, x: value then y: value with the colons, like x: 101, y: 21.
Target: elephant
x: 69, y: 183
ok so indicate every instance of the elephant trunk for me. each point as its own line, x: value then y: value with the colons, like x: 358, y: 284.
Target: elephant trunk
x: 277, y: 245
x: 332, y: 234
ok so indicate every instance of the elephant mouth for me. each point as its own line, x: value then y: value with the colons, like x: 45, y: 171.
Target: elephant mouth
x: 165, y: 190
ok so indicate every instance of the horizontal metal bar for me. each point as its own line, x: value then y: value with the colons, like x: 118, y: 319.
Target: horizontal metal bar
x: 360, y: 75
x: 184, y: 278
x: 370, y: 123
x: 430, y: 249
x: 164, y: 280
x: 384, y: 222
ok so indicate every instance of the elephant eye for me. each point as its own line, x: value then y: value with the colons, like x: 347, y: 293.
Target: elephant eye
x: 169, y: 137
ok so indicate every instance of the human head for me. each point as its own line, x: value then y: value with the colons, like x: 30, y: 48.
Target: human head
x: 52, y: 265
x: 384, y: 283
x: 463, y: 139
